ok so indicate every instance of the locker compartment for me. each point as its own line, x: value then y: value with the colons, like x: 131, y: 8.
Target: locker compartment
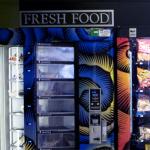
x: 60, y: 148
x: 16, y: 89
x: 55, y: 105
x: 55, y: 53
x: 17, y: 138
x: 16, y: 148
x: 15, y: 72
x: 56, y: 140
x: 17, y: 121
x: 56, y: 122
x: 16, y: 55
x: 57, y: 71
x: 50, y: 88
x: 17, y: 105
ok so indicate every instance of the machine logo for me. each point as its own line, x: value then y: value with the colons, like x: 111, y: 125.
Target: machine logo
x: 68, y: 18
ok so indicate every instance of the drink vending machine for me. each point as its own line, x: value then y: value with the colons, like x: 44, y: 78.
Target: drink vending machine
x: 57, y: 89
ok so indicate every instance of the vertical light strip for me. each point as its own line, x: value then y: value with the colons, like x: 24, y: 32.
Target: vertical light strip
x: 131, y: 90
x: 4, y: 103
x: 6, y: 87
x: 1, y: 97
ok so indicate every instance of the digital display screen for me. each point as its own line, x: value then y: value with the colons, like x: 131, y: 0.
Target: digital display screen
x: 95, y: 99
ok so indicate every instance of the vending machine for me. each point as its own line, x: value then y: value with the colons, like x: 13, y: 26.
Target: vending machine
x: 12, y: 97
x: 57, y: 89
x: 140, y: 96
x: 53, y: 106
x: 133, y: 92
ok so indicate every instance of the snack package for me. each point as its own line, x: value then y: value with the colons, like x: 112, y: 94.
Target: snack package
x: 143, y: 104
x: 144, y: 134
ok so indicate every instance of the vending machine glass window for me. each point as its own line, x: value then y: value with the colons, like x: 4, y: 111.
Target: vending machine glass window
x: 55, y: 89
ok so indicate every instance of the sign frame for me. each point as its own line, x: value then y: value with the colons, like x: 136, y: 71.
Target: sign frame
x: 109, y: 12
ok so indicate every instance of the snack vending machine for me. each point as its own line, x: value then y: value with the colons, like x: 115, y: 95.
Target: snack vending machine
x: 141, y: 94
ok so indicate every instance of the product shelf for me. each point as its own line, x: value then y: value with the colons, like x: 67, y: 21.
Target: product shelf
x: 16, y: 100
